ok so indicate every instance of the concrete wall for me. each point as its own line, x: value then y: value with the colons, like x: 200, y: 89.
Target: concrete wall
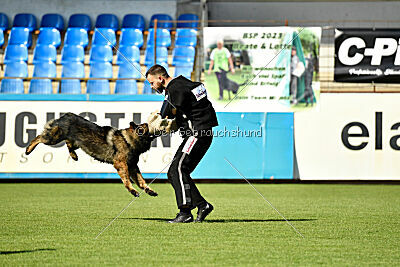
x: 90, y: 7
x: 321, y: 13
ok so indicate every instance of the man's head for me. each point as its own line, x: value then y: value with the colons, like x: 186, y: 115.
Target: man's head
x: 157, y: 77
x: 294, y: 51
x: 220, y: 43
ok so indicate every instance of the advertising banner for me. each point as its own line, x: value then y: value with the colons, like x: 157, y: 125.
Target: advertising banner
x: 367, y: 55
x: 258, y: 69
x: 351, y: 137
x: 247, y: 140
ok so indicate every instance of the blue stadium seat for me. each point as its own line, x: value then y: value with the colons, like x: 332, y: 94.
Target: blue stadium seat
x: 129, y: 70
x: 49, y: 36
x: 162, y: 55
x: 163, y: 37
x: 99, y: 70
x: 43, y: 86
x: 186, y: 37
x: 109, y: 21
x: 44, y: 53
x: 76, y: 36
x: 80, y: 21
x: 101, y: 53
x: 15, y: 53
x: 187, y: 21
x: 131, y: 36
x: 128, y: 53
x: 72, y: 70
x: 53, y: 21
x: 147, y: 88
x: 19, y: 35
x: 103, y: 36
x: 135, y: 21
x: 1, y: 37
x: 164, y: 21
x: 183, y: 56
x: 126, y: 87
x: 14, y: 69
x: 185, y: 71
x: 3, y: 21
x: 25, y: 20
x: 72, y: 53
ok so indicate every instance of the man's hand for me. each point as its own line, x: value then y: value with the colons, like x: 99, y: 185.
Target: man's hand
x: 159, y: 126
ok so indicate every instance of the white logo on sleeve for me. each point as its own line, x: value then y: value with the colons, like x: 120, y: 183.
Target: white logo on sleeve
x: 199, y: 92
x: 189, y: 145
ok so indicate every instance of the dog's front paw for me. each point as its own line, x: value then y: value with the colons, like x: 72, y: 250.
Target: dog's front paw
x: 135, y: 193
x: 150, y: 192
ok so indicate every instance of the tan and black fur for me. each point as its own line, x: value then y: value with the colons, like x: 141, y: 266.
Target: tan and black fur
x: 120, y: 147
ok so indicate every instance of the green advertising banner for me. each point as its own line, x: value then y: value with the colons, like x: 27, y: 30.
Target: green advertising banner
x: 257, y: 69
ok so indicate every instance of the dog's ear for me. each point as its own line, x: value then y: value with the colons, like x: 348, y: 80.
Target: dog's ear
x: 132, y: 125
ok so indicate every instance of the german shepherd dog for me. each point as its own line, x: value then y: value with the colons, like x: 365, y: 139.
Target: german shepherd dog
x: 120, y: 147
x: 229, y: 85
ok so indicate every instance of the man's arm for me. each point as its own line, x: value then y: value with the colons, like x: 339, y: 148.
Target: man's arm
x: 231, y: 64
x: 211, y: 66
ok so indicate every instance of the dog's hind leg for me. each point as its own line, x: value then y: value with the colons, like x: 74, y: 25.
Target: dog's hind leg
x: 137, y: 177
x: 37, y: 140
x: 71, y: 149
x: 123, y: 172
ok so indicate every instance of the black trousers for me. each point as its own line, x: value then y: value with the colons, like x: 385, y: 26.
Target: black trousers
x: 221, y: 77
x: 187, y: 157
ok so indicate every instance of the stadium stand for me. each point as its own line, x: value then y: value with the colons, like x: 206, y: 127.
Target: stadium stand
x: 25, y: 20
x: 134, y: 21
x: 43, y: 69
x: 164, y: 21
x: 52, y: 21
x: 187, y: 20
x: 108, y: 21
x: 14, y: 69
x: 135, y: 46
x: 80, y: 21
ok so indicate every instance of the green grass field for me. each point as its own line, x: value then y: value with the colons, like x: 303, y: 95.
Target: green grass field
x: 55, y: 224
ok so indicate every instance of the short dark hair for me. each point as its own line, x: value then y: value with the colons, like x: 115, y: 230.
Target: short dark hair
x: 157, y: 70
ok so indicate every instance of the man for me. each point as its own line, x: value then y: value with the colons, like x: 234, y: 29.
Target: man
x: 293, y: 78
x: 195, y: 116
x: 220, y: 57
x: 308, y: 77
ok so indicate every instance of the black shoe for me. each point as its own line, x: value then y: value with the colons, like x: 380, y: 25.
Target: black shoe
x: 203, y: 212
x: 182, y: 218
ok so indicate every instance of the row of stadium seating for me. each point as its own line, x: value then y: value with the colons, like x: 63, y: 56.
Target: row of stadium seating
x: 110, y: 21
x: 100, y: 58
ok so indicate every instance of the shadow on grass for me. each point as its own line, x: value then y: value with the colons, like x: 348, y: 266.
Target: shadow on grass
x: 25, y: 251
x: 224, y: 220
